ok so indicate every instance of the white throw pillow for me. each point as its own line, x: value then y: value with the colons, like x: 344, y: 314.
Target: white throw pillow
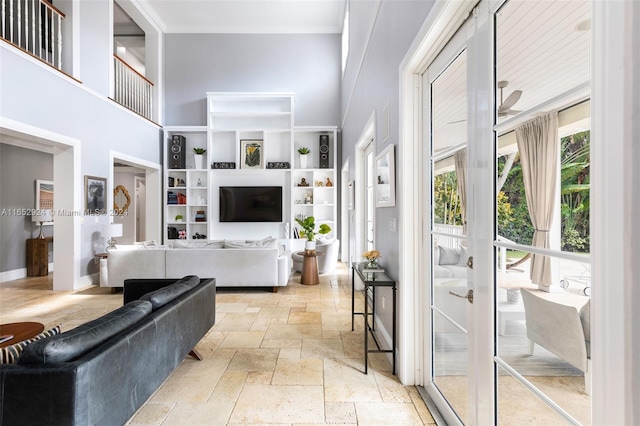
x: 150, y: 243
x: 449, y: 256
x: 206, y: 244
x: 463, y: 257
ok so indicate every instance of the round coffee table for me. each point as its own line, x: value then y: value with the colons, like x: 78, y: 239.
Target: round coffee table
x: 20, y: 331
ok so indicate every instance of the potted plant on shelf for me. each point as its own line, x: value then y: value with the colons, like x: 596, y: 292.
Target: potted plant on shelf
x: 198, y: 157
x: 308, y: 225
x: 304, y: 153
x: 178, y: 218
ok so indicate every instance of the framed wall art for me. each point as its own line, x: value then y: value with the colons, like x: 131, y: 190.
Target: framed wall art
x: 251, y: 154
x: 385, y: 178
x: 44, y: 196
x: 95, y: 192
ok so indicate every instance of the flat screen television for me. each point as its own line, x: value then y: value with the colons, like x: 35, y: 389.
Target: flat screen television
x: 250, y: 204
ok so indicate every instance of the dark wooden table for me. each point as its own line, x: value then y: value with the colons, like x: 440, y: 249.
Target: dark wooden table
x: 20, y: 331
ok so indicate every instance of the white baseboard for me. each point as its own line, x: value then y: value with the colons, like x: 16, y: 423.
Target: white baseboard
x: 15, y: 274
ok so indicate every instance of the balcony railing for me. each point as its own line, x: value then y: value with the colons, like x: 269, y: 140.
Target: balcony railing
x: 132, y: 89
x: 35, y: 26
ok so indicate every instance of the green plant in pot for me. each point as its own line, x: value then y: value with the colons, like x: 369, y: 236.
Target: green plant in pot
x: 198, y: 157
x: 304, y: 153
x: 178, y: 218
x: 308, y: 225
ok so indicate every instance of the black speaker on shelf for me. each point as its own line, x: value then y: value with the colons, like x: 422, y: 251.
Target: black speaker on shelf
x: 176, y: 152
x: 324, y: 151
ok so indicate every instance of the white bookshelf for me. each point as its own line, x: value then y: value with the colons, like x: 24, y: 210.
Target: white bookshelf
x: 268, y: 119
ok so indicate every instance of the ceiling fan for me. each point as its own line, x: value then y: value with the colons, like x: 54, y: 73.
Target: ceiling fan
x: 504, y: 109
x: 505, y: 105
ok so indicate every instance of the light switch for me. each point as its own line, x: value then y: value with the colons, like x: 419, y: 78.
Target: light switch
x: 392, y: 224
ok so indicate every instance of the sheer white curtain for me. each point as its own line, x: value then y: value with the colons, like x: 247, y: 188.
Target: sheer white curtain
x: 538, y: 145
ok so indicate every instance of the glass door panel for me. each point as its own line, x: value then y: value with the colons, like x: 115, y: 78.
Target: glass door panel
x: 449, y: 281
x: 542, y: 293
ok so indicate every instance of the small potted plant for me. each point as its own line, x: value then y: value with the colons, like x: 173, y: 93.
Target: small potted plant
x: 198, y: 157
x: 304, y: 153
x: 178, y: 218
x: 308, y: 225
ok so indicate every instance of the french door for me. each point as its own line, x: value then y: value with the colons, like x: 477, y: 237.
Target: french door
x: 507, y: 237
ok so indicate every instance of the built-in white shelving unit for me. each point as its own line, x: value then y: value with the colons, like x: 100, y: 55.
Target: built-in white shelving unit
x: 238, y: 124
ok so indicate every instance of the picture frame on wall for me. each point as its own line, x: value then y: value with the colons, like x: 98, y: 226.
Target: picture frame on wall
x: 385, y: 177
x: 95, y: 192
x: 252, y: 154
x: 44, y: 196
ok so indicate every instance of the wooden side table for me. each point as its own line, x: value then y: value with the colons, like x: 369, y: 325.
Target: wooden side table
x: 37, y: 257
x: 310, y: 274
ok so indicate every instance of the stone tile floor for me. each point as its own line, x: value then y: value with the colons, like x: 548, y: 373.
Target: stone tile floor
x: 287, y: 358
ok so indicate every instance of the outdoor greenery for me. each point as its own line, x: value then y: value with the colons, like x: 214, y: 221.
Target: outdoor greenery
x: 574, y: 197
x: 446, y: 203
x: 575, y: 160
x: 514, y: 222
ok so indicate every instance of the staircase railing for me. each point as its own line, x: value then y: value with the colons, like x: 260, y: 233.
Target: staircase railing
x: 132, y: 89
x: 35, y: 26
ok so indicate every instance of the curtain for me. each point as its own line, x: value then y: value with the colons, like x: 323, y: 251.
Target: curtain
x: 539, y: 155
x: 460, y: 161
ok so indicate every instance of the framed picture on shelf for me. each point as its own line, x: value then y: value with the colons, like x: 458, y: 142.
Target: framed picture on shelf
x: 385, y: 178
x: 95, y: 192
x: 252, y: 154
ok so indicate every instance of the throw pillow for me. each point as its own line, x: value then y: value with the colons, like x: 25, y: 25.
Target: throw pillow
x: 10, y: 354
x: 236, y: 244
x: 74, y: 343
x: 208, y: 244
x: 463, y: 257
x: 449, y: 256
x: 150, y: 243
x: 265, y: 242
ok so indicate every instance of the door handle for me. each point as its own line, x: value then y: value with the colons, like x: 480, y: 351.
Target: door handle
x: 468, y: 296
x: 470, y: 262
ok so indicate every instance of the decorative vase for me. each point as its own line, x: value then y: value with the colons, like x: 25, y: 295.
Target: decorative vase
x: 371, y: 264
x: 303, y: 161
x: 198, y: 160
x: 309, y: 245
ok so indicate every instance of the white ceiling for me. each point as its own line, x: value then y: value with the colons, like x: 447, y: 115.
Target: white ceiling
x: 247, y: 16
x: 539, y: 51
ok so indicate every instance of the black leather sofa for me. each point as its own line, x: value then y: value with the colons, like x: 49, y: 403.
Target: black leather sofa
x: 101, y: 372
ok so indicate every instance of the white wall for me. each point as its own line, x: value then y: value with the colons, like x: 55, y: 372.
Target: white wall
x: 36, y: 95
x: 308, y: 65
x: 386, y: 29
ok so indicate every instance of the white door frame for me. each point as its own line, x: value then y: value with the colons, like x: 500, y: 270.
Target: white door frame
x: 153, y: 178
x: 345, y: 224
x: 66, y: 175
x: 368, y: 134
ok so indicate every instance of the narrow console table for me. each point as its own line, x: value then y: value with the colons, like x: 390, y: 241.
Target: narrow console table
x: 371, y: 281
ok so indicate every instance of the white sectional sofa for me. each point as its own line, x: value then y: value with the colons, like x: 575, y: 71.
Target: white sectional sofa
x: 232, y: 263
